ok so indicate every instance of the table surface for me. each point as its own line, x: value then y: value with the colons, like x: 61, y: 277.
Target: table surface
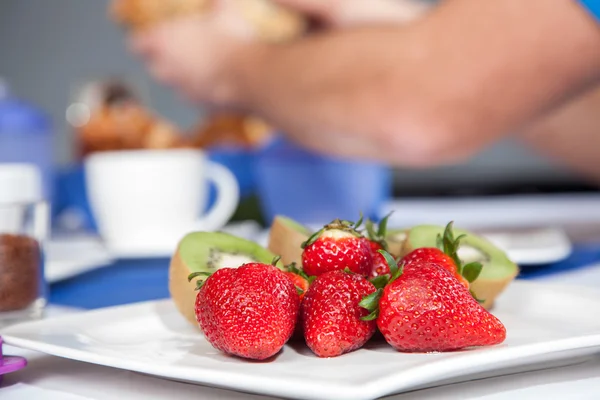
x: 49, y: 378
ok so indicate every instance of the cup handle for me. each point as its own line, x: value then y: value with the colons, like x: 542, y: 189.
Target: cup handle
x: 228, y: 194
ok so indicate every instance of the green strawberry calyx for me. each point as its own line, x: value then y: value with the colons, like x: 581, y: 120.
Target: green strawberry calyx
x: 293, y: 268
x: 371, y: 302
x: 379, y: 235
x: 450, y: 245
x: 339, y: 225
x: 199, y: 282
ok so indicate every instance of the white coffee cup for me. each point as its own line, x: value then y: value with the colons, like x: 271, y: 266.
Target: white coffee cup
x: 145, y: 201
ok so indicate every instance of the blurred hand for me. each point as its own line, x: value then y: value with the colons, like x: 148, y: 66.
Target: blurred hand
x: 343, y: 13
x: 197, y: 55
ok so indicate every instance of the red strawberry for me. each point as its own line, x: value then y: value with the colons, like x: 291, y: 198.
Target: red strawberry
x: 434, y: 255
x: 248, y: 311
x: 446, y: 256
x: 425, y: 309
x: 377, y: 242
x: 299, y: 279
x: 331, y: 314
x: 335, y: 247
x: 380, y: 267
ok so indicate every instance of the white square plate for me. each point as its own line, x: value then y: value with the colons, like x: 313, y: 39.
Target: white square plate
x: 547, y: 325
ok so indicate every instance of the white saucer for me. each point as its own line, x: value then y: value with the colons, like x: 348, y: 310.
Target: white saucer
x: 73, y: 255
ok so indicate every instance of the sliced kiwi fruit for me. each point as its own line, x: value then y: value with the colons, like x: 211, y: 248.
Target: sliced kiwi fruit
x: 286, y: 238
x: 498, y: 270
x: 395, y: 239
x: 208, y: 252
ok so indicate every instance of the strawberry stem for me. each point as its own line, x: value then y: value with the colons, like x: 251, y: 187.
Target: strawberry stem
x: 471, y: 271
x: 359, y: 222
x: 293, y: 268
x: 337, y: 224
x: 380, y: 281
x: 480, y: 301
x: 275, y: 261
x: 395, y: 269
x: 372, y: 303
x: 197, y: 274
x: 199, y: 282
x: 450, y: 245
x: 372, y: 316
x: 382, y: 229
x: 313, y: 238
x: 371, y: 230
x: 380, y: 235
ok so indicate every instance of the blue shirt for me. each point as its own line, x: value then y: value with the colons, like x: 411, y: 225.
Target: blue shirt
x: 593, y: 6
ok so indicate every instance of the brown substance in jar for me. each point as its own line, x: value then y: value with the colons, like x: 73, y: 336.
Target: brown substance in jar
x: 19, y: 272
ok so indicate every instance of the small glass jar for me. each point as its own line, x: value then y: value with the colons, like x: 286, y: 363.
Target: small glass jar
x: 23, y: 289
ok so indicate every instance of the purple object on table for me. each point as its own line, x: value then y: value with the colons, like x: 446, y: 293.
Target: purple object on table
x: 10, y: 364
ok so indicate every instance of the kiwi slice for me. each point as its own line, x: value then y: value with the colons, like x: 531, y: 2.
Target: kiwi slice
x: 395, y: 239
x: 286, y: 238
x: 498, y: 270
x: 208, y: 252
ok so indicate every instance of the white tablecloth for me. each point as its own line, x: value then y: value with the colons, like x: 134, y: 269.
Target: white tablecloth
x: 49, y: 378
x: 53, y: 378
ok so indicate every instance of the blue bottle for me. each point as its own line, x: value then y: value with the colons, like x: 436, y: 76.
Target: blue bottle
x: 26, y: 136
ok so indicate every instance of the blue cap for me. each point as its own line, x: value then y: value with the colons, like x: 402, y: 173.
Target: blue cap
x: 18, y: 116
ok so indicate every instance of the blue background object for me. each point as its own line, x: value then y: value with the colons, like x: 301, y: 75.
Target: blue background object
x: 121, y: 283
x: 582, y: 256
x: 26, y: 136
x: 593, y: 6
x: 313, y: 189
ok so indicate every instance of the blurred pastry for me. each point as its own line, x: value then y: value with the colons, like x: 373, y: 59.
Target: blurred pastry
x: 118, y: 120
x: 231, y: 129
x: 163, y: 135
x: 270, y: 21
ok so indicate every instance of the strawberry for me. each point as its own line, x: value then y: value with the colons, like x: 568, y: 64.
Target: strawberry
x: 377, y: 242
x: 424, y: 308
x: 380, y: 267
x: 249, y: 312
x: 335, y: 247
x: 299, y: 279
x: 302, y: 282
x: 446, y: 256
x: 331, y: 315
x: 434, y: 255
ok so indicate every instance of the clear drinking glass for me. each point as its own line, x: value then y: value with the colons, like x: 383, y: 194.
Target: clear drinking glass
x: 23, y: 289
